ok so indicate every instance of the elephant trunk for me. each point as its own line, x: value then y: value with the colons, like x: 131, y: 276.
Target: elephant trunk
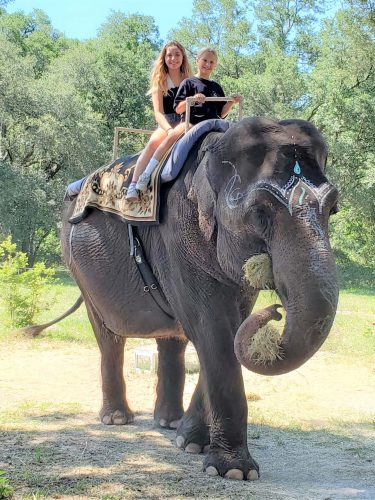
x: 310, y: 310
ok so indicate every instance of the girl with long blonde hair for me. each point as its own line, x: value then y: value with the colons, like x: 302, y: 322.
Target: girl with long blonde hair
x: 199, y: 86
x: 170, y: 69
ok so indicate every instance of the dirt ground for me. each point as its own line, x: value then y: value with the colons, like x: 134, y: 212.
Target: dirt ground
x: 311, y: 431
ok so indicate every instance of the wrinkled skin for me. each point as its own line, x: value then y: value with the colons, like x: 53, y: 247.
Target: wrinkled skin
x: 218, y: 214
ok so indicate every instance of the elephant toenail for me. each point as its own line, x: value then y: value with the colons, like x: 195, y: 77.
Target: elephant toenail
x: 163, y: 422
x: 234, y: 474
x: 193, y: 448
x: 174, y: 424
x: 211, y: 471
x: 253, y: 475
x: 180, y: 441
x: 107, y: 420
x: 119, y: 421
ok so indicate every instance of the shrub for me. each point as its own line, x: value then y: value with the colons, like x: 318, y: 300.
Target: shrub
x: 22, y: 289
x: 6, y: 491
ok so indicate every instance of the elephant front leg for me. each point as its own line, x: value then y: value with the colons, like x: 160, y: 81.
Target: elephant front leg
x: 115, y: 409
x: 228, y: 453
x: 171, y: 380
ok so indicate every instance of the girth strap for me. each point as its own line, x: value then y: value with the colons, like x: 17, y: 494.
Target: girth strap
x: 149, y: 280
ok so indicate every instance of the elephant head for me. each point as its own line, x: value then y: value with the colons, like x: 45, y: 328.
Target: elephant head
x: 261, y: 190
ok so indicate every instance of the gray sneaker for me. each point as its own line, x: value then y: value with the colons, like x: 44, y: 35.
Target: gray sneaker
x: 132, y: 194
x: 143, y: 181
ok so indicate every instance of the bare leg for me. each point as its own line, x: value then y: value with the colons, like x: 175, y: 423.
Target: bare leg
x: 156, y: 138
x: 171, y: 379
x: 169, y: 141
x: 115, y: 409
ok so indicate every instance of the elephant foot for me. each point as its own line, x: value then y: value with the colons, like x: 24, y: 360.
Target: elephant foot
x: 237, y: 464
x: 116, y: 417
x: 168, y: 419
x: 193, y: 435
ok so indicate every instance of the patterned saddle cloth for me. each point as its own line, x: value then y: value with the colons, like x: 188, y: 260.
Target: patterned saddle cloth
x: 105, y: 189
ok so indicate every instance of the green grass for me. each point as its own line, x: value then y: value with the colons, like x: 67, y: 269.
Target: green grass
x: 6, y: 490
x: 353, y: 332
x: 30, y: 410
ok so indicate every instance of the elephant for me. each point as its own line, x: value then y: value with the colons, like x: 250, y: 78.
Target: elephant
x: 257, y: 190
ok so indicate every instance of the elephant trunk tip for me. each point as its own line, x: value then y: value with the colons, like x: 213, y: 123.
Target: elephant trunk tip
x: 257, y: 341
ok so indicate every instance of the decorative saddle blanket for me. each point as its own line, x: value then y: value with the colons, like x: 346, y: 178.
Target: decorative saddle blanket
x: 105, y: 189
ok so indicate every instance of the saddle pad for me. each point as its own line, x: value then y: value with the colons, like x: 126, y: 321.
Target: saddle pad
x: 105, y: 189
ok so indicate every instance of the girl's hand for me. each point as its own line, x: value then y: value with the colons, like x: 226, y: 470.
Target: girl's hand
x: 200, y: 98
x: 237, y: 98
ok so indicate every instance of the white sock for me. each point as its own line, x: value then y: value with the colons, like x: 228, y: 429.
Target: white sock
x: 152, y: 164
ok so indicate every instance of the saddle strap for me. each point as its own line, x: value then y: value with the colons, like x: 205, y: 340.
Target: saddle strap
x: 150, y: 282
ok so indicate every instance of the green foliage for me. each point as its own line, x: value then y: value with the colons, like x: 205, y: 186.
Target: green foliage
x: 6, y: 491
x: 272, y: 85
x: 282, y: 21
x: 49, y: 250
x: 342, y: 103
x: 286, y: 57
x: 354, y: 275
x: 22, y: 288
x: 222, y: 24
x: 28, y: 208
x: 34, y: 35
x: 352, y: 233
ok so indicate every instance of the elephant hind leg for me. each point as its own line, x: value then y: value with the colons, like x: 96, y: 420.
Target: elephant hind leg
x: 193, y: 432
x: 171, y: 380
x: 115, y: 409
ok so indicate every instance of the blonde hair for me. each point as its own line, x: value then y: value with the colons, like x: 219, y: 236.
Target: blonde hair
x: 159, y: 74
x: 207, y: 49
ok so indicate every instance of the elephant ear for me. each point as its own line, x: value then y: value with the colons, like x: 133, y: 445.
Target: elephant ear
x: 203, y: 194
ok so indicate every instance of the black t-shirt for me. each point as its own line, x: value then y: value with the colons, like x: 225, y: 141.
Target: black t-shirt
x: 168, y: 101
x: 194, y: 85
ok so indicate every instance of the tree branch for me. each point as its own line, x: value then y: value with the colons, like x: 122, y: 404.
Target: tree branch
x: 359, y: 82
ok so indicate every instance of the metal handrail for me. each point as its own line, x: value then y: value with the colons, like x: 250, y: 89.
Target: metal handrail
x: 190, y: 101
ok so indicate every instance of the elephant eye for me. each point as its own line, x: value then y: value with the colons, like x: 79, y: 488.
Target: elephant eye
x: 260, y: 218
x: 262, y: 215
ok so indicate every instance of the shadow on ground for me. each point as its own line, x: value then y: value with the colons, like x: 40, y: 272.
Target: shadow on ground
x: 62, y: 454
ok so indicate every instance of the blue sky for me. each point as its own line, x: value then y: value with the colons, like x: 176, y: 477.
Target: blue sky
x: 82, y: 18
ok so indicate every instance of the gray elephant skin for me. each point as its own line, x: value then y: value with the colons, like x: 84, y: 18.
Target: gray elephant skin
x: 259, y: 188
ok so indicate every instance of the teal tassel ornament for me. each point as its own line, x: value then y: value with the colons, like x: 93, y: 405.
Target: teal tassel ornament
x: 297, y: 168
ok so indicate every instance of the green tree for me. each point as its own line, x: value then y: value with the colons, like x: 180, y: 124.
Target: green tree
x: 22, y: 287
x: 34, y: 35
x: 4, y: 3
x: 111, y: 74
x: 223, y: 24
x: 49, y: 136
x: 342, y: 104
x: 272, y: 85
x: 282, y: 21
x: 125, y: 49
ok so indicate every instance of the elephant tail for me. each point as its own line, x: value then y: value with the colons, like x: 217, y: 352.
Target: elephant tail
x: 35, y: 330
